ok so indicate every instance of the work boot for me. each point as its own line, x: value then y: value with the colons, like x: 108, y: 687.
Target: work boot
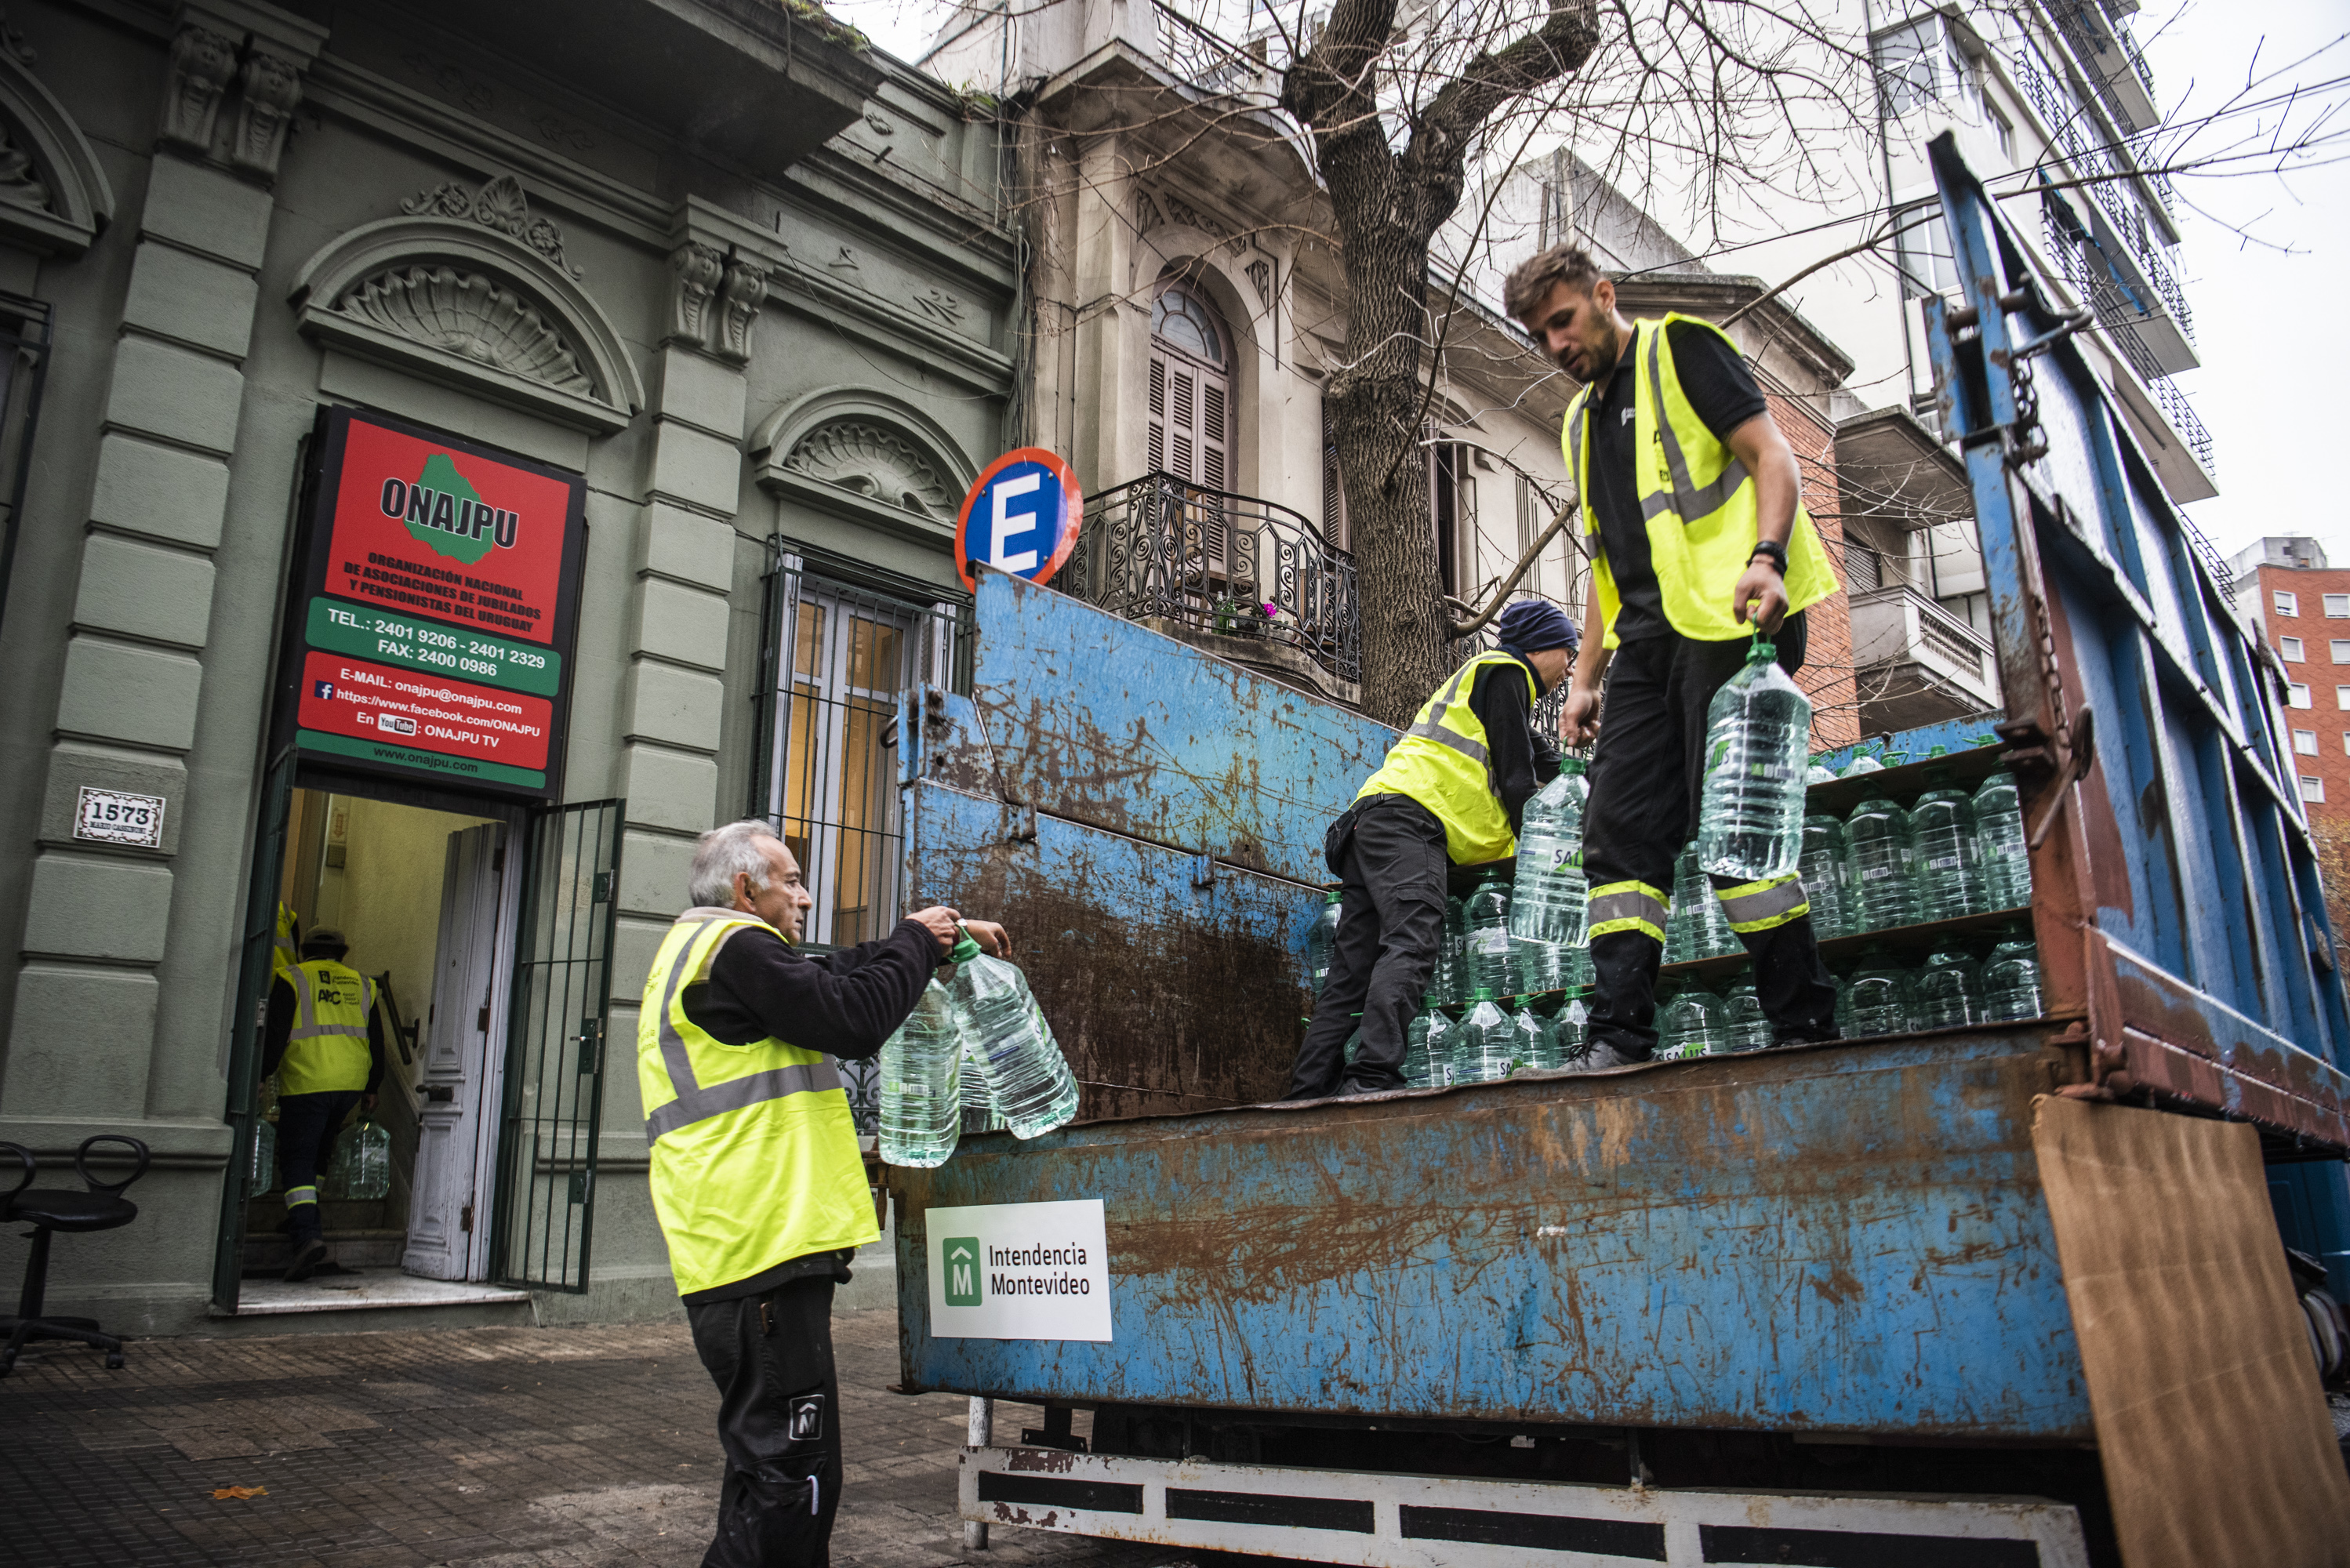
x: 1604, y: 1055
x: 307, y: 1256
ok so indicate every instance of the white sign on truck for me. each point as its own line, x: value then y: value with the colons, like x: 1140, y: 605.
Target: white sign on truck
x: 1020, y: 1270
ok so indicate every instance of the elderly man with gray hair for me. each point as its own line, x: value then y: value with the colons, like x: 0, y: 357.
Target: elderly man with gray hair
x: 756, y: 1176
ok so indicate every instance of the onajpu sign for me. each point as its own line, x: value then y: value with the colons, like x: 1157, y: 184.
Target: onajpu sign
x: 1022, y: 517
x: 433, y: 606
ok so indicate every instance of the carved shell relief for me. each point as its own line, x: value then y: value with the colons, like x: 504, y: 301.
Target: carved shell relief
x: 20, y: 182
x: 874, y: 462
x: 472, y: 317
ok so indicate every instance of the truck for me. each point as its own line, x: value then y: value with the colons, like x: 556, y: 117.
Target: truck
x: 2006, y: 1293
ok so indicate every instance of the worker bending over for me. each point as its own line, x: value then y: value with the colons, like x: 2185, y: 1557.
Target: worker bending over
x: 1698, y: 537
x: 324, y: 1041
x: 757, y: 1178
x: 1450, y: 793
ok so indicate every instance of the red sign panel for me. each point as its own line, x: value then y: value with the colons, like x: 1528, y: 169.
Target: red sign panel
x: 431, y: 625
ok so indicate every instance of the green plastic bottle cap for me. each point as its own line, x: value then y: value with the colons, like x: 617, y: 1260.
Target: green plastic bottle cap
x: 1762, y: 651
x: 1334, y: 897
x: 965, y: 949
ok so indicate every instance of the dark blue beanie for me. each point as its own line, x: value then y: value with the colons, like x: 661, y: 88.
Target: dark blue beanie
x: 1533, y: 625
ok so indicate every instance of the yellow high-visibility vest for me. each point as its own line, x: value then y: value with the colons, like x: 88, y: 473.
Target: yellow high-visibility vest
x: 327, y: 1049
x: 1696, y: 498
x: 754, y: 1158
x: 284, y: 954
x: 1443, y: 763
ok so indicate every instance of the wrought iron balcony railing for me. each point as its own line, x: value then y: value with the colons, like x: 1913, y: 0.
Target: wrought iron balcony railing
x: 1158, y: 548
x: 1208, y: 62
x: 2118, y: 314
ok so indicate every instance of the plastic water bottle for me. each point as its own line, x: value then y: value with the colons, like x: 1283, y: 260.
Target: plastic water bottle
x: 1537, y: 1047
x: 1876, y: 867
x: 1321, y: 940
x: 1818, y: 773
x: 1697, y: 914
x: 1028, y: 1079
x: 1428, y: 1049
x: 1484, y: 1043
x: 1999, y: 839
x: 922, y: 1084
x: 1742, y: 1019
x: 1865, y: 763
x: 1758, y: 737
x: 1943, y: 993
x: 1878, y: 1001
x: 1690, y: 1023
x: 263, y: 1176
x: 1823, y: 871
x: 1548, y: 903
x: 360, y: 1170
x: 1487, y: 918
x: 978, y: 1112
x: 2011, y: 977
x: 1571, y: 1033
x: 1454, y: 992
x: 1942, y: 834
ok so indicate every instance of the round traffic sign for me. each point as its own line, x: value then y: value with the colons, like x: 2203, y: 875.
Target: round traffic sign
x: 1022, y: 517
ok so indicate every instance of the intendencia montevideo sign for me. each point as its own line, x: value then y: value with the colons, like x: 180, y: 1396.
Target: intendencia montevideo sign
x: 1019, y: 1270
x: 431, y: 631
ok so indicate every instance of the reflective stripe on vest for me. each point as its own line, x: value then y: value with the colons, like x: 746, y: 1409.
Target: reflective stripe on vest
x: 752, y: 1169
x: 326, y: 1049
x: 1700, y: 534
x: 1759, y: 905
x: 1629, y: 907
x: 1442, y: 761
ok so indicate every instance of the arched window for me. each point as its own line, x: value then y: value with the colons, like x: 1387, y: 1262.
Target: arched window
x: 1190, y: 387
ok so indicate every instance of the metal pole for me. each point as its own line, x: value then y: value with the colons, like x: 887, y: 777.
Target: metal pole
x: 981, y: 1435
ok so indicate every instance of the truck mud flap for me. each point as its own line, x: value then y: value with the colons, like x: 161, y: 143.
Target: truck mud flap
x: 1437, y: 1521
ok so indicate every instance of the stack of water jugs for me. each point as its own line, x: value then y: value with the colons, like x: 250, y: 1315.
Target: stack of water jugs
x: 974, y: 1056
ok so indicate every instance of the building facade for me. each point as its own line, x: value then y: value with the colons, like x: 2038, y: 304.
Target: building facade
x: 2302, y: 607
x: 730, y: 294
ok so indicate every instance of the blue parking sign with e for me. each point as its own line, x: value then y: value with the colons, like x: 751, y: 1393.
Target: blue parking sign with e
x: 1021, y: 516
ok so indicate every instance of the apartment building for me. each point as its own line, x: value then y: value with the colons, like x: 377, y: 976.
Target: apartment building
x: 2302, y: 606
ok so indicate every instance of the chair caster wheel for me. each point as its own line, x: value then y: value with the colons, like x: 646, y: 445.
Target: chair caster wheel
x: 114, y: 1362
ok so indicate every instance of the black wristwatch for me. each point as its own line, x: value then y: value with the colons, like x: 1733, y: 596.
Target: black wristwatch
x: 1772, y: 551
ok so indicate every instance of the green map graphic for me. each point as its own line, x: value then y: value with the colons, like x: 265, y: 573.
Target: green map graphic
x: 439, y: 473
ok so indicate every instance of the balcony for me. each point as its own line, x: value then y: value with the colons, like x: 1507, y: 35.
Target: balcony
x: 1204, y: 565
x: 1210, y: 63
x: 2111, y: 58
x: 1916, y: 663
x: 2148, y: 339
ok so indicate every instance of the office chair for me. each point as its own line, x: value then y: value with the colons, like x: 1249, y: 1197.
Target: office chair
x: 48, y: 1209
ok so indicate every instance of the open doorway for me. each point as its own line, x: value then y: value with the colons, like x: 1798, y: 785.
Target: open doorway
x: 423, y: 900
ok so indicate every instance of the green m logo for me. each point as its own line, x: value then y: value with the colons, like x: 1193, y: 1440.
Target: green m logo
x: 960, y: 1255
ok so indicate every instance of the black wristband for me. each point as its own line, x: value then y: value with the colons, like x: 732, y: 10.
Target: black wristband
x: 1772, y: 549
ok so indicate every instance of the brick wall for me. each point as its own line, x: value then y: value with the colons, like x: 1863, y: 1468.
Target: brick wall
x: 1827, y: 673
x: 2306, y: 639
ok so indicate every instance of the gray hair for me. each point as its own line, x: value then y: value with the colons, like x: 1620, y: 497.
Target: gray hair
x: 722, y: 852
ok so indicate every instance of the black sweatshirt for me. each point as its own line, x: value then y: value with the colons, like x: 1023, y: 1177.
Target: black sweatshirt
x: 1523, y: 761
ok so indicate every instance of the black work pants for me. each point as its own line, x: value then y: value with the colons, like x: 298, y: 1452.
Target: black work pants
x: 307, y: 1125
x: 1647, y: 772
x: 779, y: 1422
x: 1388, y: 852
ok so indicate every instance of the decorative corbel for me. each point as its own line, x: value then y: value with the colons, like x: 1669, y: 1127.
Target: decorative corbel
x: 698, y: 267
x: 272, y: 87
x: 739, y: 298
x: 202, y: 61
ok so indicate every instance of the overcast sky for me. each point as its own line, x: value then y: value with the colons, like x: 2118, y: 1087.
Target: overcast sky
x: 2270, y: 310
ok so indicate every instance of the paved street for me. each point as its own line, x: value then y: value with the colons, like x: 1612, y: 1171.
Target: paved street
x: 582, y: 1448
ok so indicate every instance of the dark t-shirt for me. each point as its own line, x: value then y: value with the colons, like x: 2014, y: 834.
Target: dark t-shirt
x: 1522, y: 760
x: 1722, y: 392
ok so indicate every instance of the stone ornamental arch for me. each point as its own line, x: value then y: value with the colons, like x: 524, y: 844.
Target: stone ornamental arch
x: 473, y: 290
x: 53, y: 196
x: 867, y: 455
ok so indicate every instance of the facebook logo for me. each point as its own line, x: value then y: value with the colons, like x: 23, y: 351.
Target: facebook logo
x: 322, y: 689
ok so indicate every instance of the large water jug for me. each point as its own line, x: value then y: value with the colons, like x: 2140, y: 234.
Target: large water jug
x: 1758, y: 737
x: 922, y: 1084
x: 1942, y: 835
x: 1571, y: 1033
x: 1697, y: 926
x: 1998, y: 836
x: 1028, y: 1079
x: 1484, y: 1043
x: 360, y: 1171
x: 1823, y: 871
x: 2011, y: 977
x: 1690, y: 1022
x: 1876, y: 867
x: 1321, y: 940
x: 1742, y: 1019
x: 1877, y: 1001
x: 1537, y: 1045
x: 1453, y: 986
x: 1492, y: 966
x: 978, y: 1112
x: 1548, y: 902
x: 262, y: 1175
x: 1428, y: 1049
x: 1943, y: 993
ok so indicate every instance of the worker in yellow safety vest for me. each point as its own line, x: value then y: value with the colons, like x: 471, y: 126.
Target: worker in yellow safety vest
x: 1451, y: 792
x: 756, y: 1176
x: 323, y: 1040
x: 1693, y: 518
x: 285, y: 949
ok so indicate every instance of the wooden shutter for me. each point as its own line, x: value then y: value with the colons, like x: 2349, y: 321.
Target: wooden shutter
x: 1157, y: 413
